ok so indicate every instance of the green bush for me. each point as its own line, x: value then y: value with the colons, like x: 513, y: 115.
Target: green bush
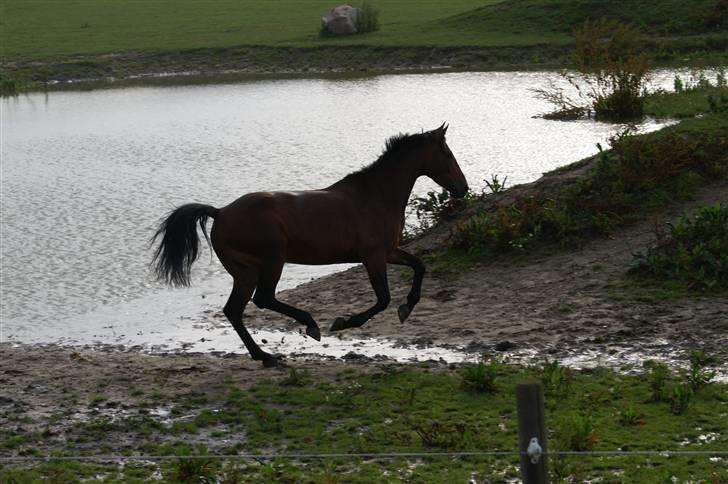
x: 693, y: 252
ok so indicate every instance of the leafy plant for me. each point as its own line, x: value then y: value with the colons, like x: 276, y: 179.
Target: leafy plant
x: 495, y: 185
x: 680, y: 399
x: 582, y: 436
x: 657, y: 376
x: 555, y: 378
x: 481, y: 377
x: 698, y: 375
x: 630, y: 417
x: 693, y: 252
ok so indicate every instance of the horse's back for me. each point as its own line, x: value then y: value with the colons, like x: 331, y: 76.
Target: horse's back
x: 308, y: 227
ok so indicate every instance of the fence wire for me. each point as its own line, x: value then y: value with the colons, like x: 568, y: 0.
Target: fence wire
x: 365, y: 455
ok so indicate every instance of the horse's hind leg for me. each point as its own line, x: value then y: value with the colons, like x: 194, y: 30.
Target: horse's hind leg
x: 265, y: 298
x: 243, y: 287
x: 401, y: 257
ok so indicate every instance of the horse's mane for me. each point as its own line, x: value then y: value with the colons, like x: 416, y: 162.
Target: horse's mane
x: 394, y: 147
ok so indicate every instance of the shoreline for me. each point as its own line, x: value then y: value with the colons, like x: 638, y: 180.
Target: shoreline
x: 223, y: 65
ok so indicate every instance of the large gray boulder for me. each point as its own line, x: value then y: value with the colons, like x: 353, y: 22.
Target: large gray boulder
x: 342, y: 20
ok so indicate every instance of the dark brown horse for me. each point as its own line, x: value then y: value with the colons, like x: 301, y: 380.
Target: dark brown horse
x: 357, y: 219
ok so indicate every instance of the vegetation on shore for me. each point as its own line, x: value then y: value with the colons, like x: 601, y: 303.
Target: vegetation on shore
x: 395, y: 409
x: 45, y: 40
x: 639, y: 174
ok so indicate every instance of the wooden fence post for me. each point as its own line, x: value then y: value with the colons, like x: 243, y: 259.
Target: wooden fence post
x: 531, y: 425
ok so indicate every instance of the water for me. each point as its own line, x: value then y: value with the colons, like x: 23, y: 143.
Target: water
x: 87, y: 175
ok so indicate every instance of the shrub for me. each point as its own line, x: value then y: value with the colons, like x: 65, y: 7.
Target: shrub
x: 368, y: 19
x: 693, y: 252
x: 611, y: 74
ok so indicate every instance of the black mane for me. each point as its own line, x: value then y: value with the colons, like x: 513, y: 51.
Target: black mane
x: 394, y: 147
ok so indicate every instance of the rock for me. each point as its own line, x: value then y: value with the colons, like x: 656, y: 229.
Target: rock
x: 342, y: 20
x: 504, y: 345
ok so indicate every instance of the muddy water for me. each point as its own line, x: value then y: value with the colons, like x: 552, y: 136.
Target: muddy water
x: 86, y: 176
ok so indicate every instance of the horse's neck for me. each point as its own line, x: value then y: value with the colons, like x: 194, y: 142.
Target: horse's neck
x: 392, y: 184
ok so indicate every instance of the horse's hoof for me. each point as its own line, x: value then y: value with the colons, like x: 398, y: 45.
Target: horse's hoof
x: 314, y: 332
x: 339, y: 324
x: 403, y: 312
x: 270, y: 361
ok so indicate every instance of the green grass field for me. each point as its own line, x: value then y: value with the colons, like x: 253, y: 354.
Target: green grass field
x: 394, y: 410
x: 50, y: 28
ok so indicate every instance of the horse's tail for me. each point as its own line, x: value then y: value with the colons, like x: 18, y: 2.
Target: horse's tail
x: 179, y: 246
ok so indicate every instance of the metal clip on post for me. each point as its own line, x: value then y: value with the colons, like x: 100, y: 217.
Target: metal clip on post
x: 534, y: 451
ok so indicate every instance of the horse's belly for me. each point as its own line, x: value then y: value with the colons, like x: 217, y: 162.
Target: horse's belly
x: 298, y: 253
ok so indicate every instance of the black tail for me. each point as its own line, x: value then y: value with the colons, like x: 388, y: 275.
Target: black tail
x: 179, y: 247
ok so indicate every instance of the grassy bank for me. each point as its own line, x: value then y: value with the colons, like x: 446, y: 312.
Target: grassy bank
x: 46, y: 40
x: 394, y: 409
x: 594, y: 197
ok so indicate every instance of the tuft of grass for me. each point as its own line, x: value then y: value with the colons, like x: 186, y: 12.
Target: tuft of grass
x: 296, y: 378
x: 657, y: 377
x: 482, y: 377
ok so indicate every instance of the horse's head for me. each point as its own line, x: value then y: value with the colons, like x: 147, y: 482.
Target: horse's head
x: 442, y: 166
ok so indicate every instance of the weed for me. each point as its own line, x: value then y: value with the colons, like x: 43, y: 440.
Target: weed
x: 192, y: 467
x: 693, y: 252
x: 555, y: 378
x: 697, y: 375
x: 269, y: 420
x: 481, y: 377
x: 296, y: 378
x: 630, y: 417
x: 657, y: 376
x: 495, y: 185
x: 680, y: 399
x: 581, y: 434
x: 444, y: 436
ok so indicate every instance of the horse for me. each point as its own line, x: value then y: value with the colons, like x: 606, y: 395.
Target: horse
x: 358, y: 219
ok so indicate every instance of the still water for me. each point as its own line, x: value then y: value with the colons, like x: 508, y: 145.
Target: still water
x: 87, y: 175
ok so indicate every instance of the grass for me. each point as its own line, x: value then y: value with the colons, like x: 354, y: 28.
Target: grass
x: 401, y: 410
x: 46, y: 28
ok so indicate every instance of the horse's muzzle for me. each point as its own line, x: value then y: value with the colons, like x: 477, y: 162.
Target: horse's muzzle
x: 459, y: 192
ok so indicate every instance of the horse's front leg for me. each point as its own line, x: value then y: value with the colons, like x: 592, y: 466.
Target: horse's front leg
x: 377, y: 270
x: 401, y: 257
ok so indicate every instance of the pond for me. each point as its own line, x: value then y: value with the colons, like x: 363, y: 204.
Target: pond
x: 86, y: 177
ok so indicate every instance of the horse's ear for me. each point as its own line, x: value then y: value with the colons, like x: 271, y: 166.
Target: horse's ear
x: 440, y: 132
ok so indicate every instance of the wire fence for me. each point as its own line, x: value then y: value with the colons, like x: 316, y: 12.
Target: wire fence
x: 364, y: 455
